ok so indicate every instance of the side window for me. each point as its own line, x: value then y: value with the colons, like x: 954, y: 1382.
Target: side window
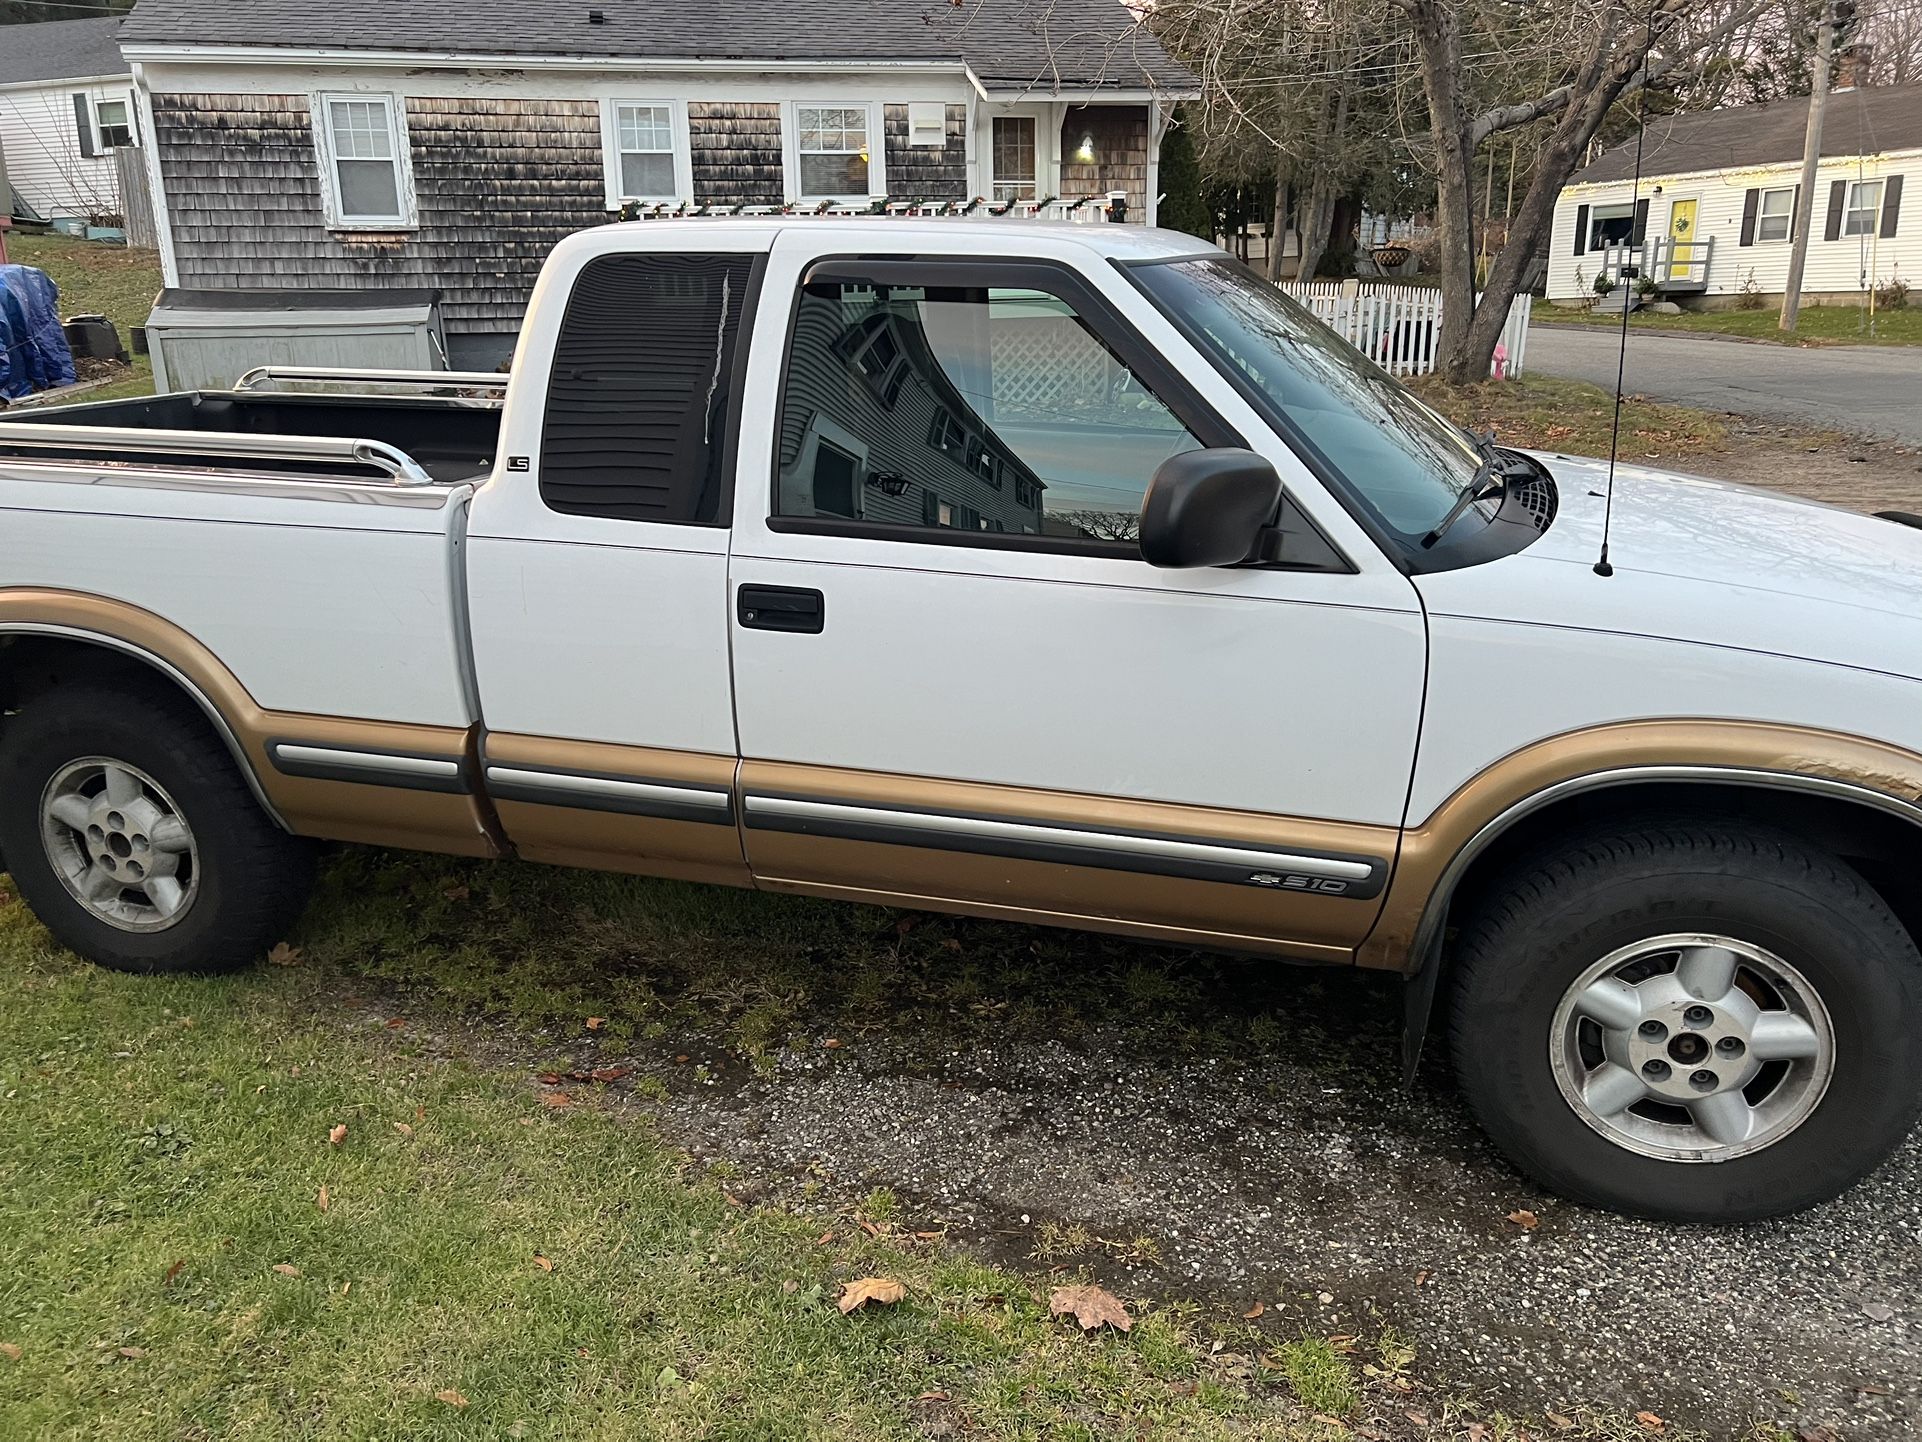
x: 974, y: 409
x: 636, y: 411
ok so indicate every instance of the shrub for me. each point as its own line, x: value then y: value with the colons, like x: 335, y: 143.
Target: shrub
x: 1893, y: 294
x: 1749, y: 297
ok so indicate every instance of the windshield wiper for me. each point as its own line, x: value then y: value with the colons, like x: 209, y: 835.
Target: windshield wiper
x: 1490, y: 480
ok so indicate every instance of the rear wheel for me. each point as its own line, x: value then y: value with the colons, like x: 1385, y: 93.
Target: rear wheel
x: 1691, y: 1024
x: 132, y: 835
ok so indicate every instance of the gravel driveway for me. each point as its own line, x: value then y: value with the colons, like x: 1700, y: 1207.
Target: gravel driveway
x: 1298, y: 1173
x: 1864, y: 390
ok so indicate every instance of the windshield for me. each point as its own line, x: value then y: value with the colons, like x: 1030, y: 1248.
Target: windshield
x: 1401, y: 461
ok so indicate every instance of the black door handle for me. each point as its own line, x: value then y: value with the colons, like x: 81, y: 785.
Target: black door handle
x: 782, y: 608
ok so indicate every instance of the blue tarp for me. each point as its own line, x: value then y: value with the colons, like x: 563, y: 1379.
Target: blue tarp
x: 33, y: 346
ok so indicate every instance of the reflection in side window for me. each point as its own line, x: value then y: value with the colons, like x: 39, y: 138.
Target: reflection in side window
x: 969, y: 409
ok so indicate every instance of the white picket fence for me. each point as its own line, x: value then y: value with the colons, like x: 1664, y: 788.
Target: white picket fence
x: 1397, y: 326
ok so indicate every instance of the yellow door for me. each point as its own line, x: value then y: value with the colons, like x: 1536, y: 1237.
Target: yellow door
x: 1681, y: 235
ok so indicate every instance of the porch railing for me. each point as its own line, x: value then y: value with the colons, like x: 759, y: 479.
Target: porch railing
x: 1674, y: 265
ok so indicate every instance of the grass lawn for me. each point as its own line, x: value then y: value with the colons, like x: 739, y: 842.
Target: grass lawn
x: 1550, y: 414
x: 1816, y: 325
x: 95, y: 279
x: 185, y: 1252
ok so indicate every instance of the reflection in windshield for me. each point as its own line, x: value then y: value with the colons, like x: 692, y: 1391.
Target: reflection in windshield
x: 1403, y: 462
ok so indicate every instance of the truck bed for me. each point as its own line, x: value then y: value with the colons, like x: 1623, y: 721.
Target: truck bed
x: 451, y: 438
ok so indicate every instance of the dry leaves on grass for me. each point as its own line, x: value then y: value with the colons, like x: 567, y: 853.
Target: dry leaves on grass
x: 862, y: 1290
x: 450, y: 1397
x: 174, y: 1271
x: 287, y: 1269
x: 406, y: 1132
x: 1525, y: 1219
x: 595, y: 1023
x: 1651, y: 1421
x: 284, y: 955
x: 1091, y: 1306
x: 10, y: 1350
x: 336, y: 1135
x: 543, y: 1263
x: 321, y: 1201
x: 556, y: 1099
x: 1254, y: 1311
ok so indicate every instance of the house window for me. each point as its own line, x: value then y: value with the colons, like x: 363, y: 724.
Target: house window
x: 1774, y: 215
x: 363, y: 158
x: 113, y: 123
x: 1014, y: 157
x: 644, y: 151
x: 1864, y: 211
x: 1610, y: 225
x: 831, y: 155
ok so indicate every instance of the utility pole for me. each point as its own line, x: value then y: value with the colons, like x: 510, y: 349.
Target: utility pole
x: 1811, y: 158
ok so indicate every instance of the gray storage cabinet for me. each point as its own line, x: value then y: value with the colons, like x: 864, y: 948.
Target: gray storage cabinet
x: 208, y: 339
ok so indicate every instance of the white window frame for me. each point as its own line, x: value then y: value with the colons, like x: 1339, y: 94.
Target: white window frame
x: 791, y: 143
x: 100, y: 146
x: 1612, y: 210
x: 337, y: 219
x: 611, y: 149
x: 1850, y: 208
x: 1761, y: 214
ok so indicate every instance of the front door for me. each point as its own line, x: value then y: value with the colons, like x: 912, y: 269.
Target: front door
x: 1681, y: 238
x: 957, y: 684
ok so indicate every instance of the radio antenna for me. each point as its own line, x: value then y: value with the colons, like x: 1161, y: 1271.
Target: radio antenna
x: 1602, y: 566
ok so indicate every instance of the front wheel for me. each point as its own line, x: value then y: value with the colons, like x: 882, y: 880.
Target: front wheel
x: 1690, y: 1024
x: 131, y: 833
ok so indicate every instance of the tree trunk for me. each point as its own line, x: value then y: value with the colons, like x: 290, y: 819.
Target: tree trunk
x: 1278, y: 227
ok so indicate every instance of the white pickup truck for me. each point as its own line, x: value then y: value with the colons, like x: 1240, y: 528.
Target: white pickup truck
x: 1067, y: 574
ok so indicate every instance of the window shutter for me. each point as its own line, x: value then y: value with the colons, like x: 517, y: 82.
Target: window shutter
x: 1581, y: 229
x: 1795, y: 211
x: 1891, y: 205
x: 1838, y: 191
x: 1751, y: 200
x: 1640, y: 231
x: 930, y: 508
x: 83, y: 123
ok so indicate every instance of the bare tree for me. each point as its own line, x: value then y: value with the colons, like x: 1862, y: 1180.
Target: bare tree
x: 1603, y: 51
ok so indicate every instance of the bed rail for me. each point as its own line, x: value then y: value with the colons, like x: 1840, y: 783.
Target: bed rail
x: 275, y: 378
x: 129, y: 443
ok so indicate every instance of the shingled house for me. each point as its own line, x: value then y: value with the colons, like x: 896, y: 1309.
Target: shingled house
x: 449, y: 143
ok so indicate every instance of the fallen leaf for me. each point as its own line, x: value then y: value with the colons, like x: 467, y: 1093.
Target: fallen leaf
x: 337, y: 1135
x: 450, y: 1397
x: 1420, y: 1419
x: 1525, y: 1219
x: 1651, y: 1421
x: 543, y: 1263
x: 1091, y: 1306
x: 1327, y: 1421
x: 548, y: 1078
x: 1421, y: 1278
x: 135, y: 1353
x: 681, y: 1060
x: 935, y: 1396
x: 868, y: 1227
x: 595, y: 1023
x: 833, y: 1043
x: 287, y: 1269
x: 731, y: 1199
x: 10, y: 1350
x: 824, y: 1239
x: 556, y: 1099
x: 395, y: 1023
x: 284, y: 955
x: 1254, y: 1311
x: 1477, y: 1431
x: 862, y: 1290
x: 172, y: 1272
x: 790, y: 1287
x: 1556, y: 1419
x: 610, y: 1073
x: 456, y: 893
x: 405, y: 1130
x: 321, y: 1200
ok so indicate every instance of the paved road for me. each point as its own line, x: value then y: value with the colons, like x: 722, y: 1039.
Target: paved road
x: 1865, y: 390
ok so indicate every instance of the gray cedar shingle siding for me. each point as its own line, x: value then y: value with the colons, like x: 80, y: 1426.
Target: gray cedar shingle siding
x: 735, y: 148
x: 922, y: 172
x: 498, y: 183
x: 1120, y: 135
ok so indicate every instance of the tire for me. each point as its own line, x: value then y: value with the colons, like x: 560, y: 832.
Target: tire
x: 237, y: 880
x: 1565, y: 966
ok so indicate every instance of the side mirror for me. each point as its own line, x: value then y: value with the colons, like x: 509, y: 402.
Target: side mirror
x: 1207, y: 508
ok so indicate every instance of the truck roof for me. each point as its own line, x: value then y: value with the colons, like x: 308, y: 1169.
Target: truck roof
x: 1121, y: 242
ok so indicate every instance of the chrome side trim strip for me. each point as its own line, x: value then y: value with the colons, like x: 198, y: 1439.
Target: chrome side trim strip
x: 661, y: 799
x: 1435, y: 913
x: 124, y: 443
x: 374, y: 768
x: 179, y: 678
x: 1346, y: 876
